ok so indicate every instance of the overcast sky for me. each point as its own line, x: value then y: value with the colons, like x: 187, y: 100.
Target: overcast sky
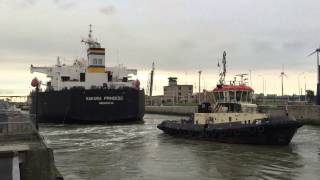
x: 180, y: 36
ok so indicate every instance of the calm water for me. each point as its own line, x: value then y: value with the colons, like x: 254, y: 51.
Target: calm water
x: 142, y: 151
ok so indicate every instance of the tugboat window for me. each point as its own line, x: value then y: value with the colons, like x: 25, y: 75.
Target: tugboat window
x: 238, y: 95
x: 245, y: 96
x: 232, y: 98
x: 221, y: 96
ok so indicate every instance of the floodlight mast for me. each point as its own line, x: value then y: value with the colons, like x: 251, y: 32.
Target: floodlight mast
x: 282, y: 75
x: 318, y: 75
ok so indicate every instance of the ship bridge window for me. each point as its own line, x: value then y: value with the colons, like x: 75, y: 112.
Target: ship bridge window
x: 94, y: 61
x: 65, y: 78
x: 82, y: 77
x: 125, y: 79
x: 99, y: 61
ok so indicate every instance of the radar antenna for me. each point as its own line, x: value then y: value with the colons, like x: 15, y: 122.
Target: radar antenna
x: 224, y: 69
x: 90, y: 31
x: 90, y: 41
x: 243, y: 78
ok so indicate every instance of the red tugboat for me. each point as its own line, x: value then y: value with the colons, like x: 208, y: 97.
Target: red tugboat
x: 231, y: 117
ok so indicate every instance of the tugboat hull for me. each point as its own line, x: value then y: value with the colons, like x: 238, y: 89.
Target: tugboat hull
x: 268, y: 133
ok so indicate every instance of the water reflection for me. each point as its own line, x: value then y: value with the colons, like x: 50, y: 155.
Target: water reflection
x: 141, y: 151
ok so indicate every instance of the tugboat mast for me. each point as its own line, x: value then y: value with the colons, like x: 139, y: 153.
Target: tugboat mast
x: 151, y: 80
x: 224, y: 69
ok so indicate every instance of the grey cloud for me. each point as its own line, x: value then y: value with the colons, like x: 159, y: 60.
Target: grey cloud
x: 30, y: 2
x: 66, y: 4
x: 107, y: 10
x: 18, y: 3
x: 262, y: 46
x: 293, y: 46
x: 187, y: 44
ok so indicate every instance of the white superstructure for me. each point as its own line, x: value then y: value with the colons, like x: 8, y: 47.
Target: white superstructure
x: 89, y: 72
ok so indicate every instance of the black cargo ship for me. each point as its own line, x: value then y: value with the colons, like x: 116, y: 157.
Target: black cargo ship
x: 90, y: 106
x: 87, y: 91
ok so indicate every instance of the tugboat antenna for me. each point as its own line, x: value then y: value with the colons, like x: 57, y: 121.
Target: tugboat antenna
x: 90, y: 31
x: 224, y: 69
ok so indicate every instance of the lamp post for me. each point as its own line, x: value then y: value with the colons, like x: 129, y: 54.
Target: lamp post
x: 305, y: 88
x: 318, y: 75
x: 263, y: 84
x: 250, y: 72
x: 299, y: 89
x: 199, y: 86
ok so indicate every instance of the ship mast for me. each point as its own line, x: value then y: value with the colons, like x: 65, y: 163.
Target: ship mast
x: 90, y: 41
x: 150, y: 84
x: 224, y: 69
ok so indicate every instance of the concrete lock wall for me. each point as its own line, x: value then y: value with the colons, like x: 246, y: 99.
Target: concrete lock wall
x: 308, y: 114
x: 174, y: 110
x: 39, y: 165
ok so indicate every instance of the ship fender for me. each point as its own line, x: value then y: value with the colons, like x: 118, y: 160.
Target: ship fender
x: 230, y: 132
x: 260, y: 129
x: 222, y: 133
x: 236, y: 132
x: 252, y: 130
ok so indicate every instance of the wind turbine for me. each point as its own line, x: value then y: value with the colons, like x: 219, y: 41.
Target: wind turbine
x: 282, y: 75
x: 318, y: 76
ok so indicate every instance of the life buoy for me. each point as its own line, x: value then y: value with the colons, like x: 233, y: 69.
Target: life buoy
x: 35, y: 82
x: 136, y: 83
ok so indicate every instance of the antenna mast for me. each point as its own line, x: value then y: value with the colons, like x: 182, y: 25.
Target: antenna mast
x: 243, y: 78
x: 90, y: 41
x: 151, y: 79
x: 224, y: 68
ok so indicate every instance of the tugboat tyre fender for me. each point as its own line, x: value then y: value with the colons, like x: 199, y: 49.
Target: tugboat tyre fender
x: 252, y: 130
x: 236, y: 132
x: 223, y: 133
x: 260, y: 129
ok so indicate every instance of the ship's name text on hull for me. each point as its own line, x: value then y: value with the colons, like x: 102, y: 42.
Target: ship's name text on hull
x: 105, y: 98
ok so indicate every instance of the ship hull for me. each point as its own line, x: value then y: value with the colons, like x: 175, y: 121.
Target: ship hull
x: 271, y: 133
x: 89, y: 106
